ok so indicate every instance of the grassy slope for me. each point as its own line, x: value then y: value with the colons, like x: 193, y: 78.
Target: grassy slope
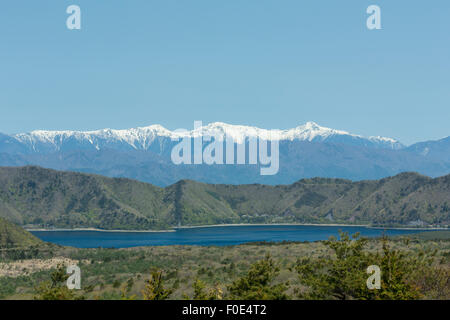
x: 49, y: 198
x: 430, y: 235
x: 12, y: 236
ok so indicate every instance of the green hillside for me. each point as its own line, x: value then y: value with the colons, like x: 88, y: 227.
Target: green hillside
x: 46, y: 198
x: 13, y: 236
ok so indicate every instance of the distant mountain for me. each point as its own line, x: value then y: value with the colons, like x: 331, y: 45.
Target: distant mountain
x: 13, y: 236
x: 48, y: 198
x: 144, y: 154
x: 439, y: 149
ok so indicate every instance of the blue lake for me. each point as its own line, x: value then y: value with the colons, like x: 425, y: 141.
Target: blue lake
x: 206, y: 236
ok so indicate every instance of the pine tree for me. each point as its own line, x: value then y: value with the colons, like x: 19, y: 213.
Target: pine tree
x: 257, y: 284
x: 154, y: 287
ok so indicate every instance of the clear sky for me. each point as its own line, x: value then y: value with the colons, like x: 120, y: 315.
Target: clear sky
x: 272, y: 64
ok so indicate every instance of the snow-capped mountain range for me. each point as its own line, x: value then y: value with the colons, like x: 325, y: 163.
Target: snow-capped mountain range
x: 144, y: 154
x: 142, y: 138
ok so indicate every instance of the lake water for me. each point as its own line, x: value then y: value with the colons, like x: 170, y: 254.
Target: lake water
x: 205, y: 236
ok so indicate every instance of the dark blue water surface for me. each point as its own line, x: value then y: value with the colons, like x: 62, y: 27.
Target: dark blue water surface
x: 206, y: 236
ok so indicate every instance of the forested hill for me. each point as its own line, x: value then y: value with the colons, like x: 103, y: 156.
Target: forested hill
x: 38, y: 197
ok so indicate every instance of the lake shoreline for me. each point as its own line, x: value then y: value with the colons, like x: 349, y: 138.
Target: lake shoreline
x: 236, y: 225
x: 95, y: 230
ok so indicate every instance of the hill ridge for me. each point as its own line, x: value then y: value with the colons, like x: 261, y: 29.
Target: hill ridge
x: 38, y: 197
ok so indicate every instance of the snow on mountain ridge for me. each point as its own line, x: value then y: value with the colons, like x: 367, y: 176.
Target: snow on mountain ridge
x: 307, y: 132
x: 135, y: 137
x: 143, y: 137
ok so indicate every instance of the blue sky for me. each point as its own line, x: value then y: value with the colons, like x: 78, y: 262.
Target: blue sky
x: 273, y: 64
